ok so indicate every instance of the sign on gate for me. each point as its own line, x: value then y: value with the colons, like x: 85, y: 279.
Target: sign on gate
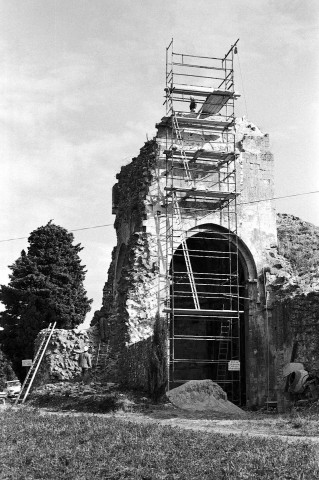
x: 27, y: 363
x: 234, y: 365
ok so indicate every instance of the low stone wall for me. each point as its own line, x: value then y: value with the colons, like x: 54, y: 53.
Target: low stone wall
x: 60, y: 361
x: 294, y: 325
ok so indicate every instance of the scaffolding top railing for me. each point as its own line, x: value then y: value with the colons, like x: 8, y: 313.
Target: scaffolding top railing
x: 207, y: 80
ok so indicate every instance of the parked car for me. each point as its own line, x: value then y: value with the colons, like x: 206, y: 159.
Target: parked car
x: 13, y: 388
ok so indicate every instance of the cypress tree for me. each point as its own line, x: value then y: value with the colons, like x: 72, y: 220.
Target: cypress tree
x: 46, y: 285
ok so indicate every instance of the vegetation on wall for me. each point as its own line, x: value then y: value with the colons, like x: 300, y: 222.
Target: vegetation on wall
x: 6, y: 371
x: 298, y: 241
x: 157, y: 374
x: 46, y: 285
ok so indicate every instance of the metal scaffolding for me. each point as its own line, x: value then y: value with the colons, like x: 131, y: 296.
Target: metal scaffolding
x: 201, y: 265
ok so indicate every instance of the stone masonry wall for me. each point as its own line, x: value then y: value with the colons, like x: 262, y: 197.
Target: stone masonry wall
x: 256, y: 222
x: 282, y: 278
x: 60, y: 361
x: 129, y: 301
x: 292, y: 286
x: 255, y: 181
x: 294, y: 320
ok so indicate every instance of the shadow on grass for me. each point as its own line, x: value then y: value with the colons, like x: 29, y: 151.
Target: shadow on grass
x: 90, y: 404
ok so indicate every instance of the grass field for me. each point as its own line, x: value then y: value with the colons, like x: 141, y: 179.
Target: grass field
x: 35, y: 446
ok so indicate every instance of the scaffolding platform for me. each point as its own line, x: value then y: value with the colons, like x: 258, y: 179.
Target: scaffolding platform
x: 201, y: 154
x: 189, y: 121
x: 206, y: 313
x: 202, y: 91
x: 207, y: 155
x: 215, y: 102
x: 195, y: 193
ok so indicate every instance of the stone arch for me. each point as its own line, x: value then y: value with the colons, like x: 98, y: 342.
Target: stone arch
x: 244, y: 252
x: 209, y: 238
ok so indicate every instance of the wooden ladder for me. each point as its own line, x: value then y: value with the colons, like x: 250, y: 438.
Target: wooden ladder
x: 101, y: 356
x: 28, y: 381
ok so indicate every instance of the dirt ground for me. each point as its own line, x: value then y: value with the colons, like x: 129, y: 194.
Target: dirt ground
x: 190, y: 421
x: 261, y: 427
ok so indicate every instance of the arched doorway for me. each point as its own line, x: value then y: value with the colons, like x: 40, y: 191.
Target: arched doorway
x: 209, y: 343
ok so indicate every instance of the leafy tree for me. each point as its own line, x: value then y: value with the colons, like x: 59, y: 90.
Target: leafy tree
x: 46, y: 285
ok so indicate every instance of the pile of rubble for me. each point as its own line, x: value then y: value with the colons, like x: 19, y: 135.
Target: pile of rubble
x: 74, y: 389
x: 92, y: 397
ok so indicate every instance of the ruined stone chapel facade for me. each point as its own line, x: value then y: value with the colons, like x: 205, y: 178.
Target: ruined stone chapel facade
x: 197, y: 244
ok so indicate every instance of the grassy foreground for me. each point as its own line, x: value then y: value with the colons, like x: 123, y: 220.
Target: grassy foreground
x: 33, y: 446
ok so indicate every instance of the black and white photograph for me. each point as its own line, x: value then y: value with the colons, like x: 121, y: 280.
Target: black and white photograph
x: 159, y: 239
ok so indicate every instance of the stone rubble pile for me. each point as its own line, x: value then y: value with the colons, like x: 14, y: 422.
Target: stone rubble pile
x: 95, y: 396
x: 74, y: 389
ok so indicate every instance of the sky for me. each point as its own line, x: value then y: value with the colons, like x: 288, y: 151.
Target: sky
x: 81, y: 88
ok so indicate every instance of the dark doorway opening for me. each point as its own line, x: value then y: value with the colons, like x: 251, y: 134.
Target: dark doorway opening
x: 209, y: 343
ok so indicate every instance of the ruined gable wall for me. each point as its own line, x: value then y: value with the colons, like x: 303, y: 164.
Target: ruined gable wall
x: 129, y: 301
x: 256, y: 221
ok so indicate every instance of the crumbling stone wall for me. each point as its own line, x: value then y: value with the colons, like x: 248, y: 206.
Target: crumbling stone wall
x: 282, y: 275
x: 131, y: 313
x: 60, y: 361
x: 299, y: 243
x: 294, y: 305
x: 130, y: 294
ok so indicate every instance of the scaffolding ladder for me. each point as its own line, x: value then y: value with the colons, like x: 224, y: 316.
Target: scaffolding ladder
x: 29, y: 379
x: 101, y: 357
x: 181, y: 145
x: 223, y: 351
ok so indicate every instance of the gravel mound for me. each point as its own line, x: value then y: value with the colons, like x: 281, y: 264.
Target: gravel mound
x: 202, y: 395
